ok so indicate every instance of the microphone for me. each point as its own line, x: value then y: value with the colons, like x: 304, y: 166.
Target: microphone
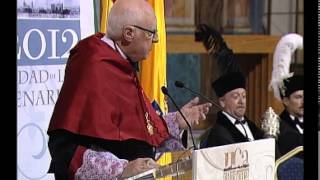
x: 180, y: 84
x: 166, y: 92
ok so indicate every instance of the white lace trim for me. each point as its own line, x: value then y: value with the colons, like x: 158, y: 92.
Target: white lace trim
x: 100, y: 165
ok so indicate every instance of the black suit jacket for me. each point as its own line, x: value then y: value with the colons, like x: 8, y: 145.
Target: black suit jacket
x: 224, y: 132
x: 289, y: 136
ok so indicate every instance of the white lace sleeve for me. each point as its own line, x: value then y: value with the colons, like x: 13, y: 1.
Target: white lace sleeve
x: 173, y: 143
x: 101, y: 165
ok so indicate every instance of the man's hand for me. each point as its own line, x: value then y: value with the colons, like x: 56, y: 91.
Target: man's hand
x: 193, y: 113
x: 138, y: 166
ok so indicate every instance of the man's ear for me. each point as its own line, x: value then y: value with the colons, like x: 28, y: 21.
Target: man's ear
x: 285, y: 101
x: 127, y: 35
x: 221, y: 102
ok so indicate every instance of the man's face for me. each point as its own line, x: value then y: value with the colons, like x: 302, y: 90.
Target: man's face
x: 294, y: 103
x: 234, y: 102
x: 145, y: 36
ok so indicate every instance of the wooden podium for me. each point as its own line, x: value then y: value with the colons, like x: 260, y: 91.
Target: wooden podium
x: 176, y: 156
x: 253, y: 160
x: 178, y: 165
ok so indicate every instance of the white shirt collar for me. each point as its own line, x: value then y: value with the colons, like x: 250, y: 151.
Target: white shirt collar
x: 299, y: 118
x: 233, y: 120
x: 111, y: 43
x: 244, y: 129
x: 298, y: 127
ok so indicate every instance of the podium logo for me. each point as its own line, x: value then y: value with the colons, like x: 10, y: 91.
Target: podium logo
x: 236, y: 165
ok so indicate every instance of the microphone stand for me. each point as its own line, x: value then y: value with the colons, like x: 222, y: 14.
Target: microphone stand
x: 165, y: 91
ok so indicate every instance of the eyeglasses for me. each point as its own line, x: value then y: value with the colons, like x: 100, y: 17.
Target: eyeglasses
x: 150, y: 34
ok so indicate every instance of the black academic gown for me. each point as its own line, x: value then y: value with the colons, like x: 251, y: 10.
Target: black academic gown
x: 289, y: 136
x: 224, y: 132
